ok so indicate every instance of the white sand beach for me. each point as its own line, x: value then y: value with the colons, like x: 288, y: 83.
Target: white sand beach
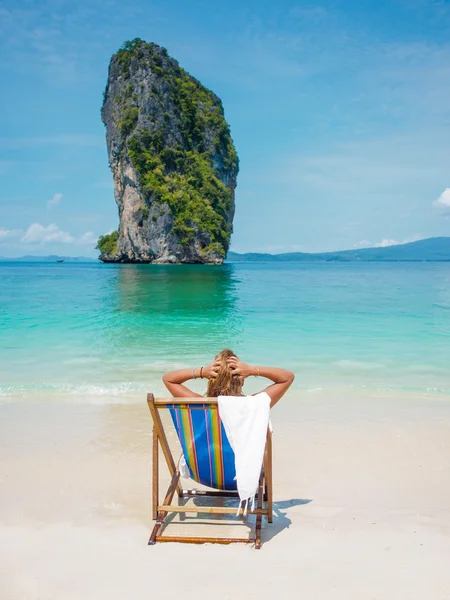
x: 362, y: 506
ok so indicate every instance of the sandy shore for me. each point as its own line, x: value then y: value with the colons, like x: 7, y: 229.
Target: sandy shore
x: 362, y: 503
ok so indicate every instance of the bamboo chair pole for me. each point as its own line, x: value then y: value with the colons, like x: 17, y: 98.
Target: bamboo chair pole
x: 161, y: 515
x: 259, y: 516
x: 182, y: 402
x: 155, y: 477
x: 268, y: 475
x: 202, y: 540
x: 162, y: 438
x: 218, y: 510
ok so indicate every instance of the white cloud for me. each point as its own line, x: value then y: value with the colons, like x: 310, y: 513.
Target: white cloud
x: 388, y: 242
x: 444, y: 199
x: 55, y: 200
x: 88, y: 238
x: 9, y: 233
x: 39, y: 234
x: 385, y: 242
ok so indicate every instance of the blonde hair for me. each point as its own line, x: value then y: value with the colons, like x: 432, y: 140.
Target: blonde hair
x: 225, y: 383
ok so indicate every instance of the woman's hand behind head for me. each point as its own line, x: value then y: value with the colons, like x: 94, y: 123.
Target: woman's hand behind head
x: 239, y: 368
x: 210, y: 371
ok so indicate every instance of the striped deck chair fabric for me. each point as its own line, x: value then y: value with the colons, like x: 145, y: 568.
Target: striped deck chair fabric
x: 206, y: 448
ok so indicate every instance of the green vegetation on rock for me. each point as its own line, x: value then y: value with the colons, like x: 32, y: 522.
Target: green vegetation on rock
x: 107, y: 244
x: 129, y: 120
x: 186, y: 182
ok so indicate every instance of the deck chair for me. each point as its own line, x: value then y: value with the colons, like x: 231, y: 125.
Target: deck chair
x: 210, y: 460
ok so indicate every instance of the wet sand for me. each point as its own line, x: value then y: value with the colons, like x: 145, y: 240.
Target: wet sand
x: 362, y: 506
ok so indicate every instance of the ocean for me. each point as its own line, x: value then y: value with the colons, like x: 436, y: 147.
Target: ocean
x: 105, y: 333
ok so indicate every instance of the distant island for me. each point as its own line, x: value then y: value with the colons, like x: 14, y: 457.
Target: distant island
x: 434, y: 249
x: 50, y: 258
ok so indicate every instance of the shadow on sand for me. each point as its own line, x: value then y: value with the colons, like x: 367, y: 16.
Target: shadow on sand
x: 280, y: 522
x: 280, y: 519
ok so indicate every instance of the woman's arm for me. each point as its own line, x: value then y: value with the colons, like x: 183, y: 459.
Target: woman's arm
x: 175, y: 379
x: 282, y: 379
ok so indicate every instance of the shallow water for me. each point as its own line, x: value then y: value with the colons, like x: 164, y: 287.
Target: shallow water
x: 110, y: 330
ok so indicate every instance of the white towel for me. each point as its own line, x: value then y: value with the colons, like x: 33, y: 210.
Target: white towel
x: 245, y: 419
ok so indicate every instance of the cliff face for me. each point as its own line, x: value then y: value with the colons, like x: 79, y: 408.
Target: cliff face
x: 173, y: 162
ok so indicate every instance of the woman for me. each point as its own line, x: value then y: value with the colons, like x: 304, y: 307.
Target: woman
x: 226, y: 376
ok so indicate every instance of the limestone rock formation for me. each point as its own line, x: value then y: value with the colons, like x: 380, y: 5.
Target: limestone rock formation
x: 172, y: 158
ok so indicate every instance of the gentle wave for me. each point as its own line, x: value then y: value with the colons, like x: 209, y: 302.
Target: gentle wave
x: 75, y: 390
x: 441, y: 306
x: 129, y: 391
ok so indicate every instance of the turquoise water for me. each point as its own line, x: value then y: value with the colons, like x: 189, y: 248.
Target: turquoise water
x: 110, y: 330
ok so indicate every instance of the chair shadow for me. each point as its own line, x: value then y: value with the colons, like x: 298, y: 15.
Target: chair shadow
x: 289, y: 503
x: 280, y: 522
x: 280, y: 519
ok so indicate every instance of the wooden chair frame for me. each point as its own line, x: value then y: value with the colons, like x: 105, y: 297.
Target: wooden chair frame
x: 161, y: 511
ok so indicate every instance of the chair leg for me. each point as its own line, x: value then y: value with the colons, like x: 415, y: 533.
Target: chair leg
x: 174, y: 484
x: 259, y: 517
x: 268, y: 477
x: 155, y: 531
x: 155, y: 475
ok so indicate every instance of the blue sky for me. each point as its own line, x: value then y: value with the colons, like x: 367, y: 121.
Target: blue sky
x: 340, y: 112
